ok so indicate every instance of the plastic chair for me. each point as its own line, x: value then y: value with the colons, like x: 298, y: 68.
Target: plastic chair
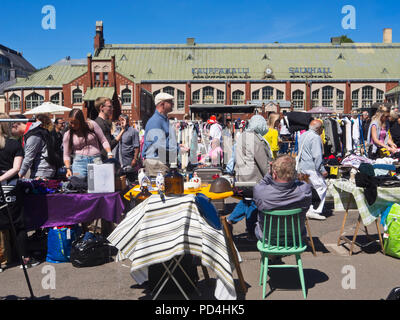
x: 284, y: 238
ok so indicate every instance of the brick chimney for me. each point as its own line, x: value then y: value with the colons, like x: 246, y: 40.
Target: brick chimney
x: 190, y: 41
x: 98, y: 39
x: 387, y: 35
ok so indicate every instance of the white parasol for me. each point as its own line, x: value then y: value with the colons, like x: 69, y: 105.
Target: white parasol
x: 48, y: 107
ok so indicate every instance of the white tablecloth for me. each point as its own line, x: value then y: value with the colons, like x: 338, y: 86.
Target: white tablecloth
x: 155, y: 232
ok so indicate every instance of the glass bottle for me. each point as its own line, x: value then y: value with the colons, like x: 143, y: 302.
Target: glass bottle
x: 173, y: 180
x: 143, y: 194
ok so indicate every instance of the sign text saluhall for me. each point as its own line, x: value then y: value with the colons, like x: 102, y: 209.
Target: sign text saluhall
x: 309, y: 70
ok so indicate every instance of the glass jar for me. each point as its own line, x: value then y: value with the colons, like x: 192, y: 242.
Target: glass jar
x: 173, y: 180
x: 143, y: 194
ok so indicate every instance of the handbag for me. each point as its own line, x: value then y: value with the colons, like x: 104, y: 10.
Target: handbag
x: 90, y: 250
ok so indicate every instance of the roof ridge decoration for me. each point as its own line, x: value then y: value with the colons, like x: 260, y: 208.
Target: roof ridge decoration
x: 341, y: 57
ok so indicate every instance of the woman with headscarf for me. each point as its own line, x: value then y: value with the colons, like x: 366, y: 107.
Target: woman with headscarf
x: 252, y: 162
x: 252, y: 151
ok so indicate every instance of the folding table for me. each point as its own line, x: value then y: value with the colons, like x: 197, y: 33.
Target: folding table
x: 346, y: 194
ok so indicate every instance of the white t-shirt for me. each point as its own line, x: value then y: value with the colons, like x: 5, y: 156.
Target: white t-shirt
x: 215, y: 131
x: 284, y: 129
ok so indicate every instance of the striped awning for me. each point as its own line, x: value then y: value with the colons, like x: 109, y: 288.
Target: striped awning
x: 94, y: 93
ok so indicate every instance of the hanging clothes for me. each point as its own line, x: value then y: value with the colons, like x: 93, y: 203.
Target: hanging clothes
x: 185, y: 138
x: 356, y: 133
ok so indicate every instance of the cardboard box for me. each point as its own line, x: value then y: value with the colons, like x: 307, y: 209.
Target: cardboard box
x: 101, y: 178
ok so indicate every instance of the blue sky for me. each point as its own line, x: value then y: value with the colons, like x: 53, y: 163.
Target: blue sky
x: 160, y: 21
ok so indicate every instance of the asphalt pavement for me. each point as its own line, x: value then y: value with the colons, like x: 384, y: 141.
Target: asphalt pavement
x: 330, y: 275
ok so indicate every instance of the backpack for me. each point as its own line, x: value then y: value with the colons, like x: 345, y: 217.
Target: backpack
x: 53, y: 157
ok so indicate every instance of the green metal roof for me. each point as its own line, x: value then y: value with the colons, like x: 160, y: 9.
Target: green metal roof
x: 94, y: 93
x: 51, y: 77
x: 148, y: 62
x: 393, y: 91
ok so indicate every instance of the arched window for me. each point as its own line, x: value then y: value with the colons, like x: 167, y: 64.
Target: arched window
x: 297, y: 99
x: 126, y: 96
x: 169, y: 90
x: 354, y: 98
x: 267, y: 93
x: 77, y: 96
x: 237, y: 97
x: 196, y: 97
x: 15, y: 102
x: 279, y: 94
x: 367, y: 96
x: 33, y: 100
x: 220, y: 97
x: 255, y: 95
x: 156, y: 93
x: 327, y: 97
x: 55, y: 98
x: 315, y: 98
x: 181, y: 99
x: 379, y: 95
x: 208, y: 95
x: 339, y: 99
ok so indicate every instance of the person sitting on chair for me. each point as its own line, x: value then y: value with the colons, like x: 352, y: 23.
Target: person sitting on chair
x: 280, y: 190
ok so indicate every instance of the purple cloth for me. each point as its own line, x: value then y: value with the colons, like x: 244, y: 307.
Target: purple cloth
x: 52, y: 210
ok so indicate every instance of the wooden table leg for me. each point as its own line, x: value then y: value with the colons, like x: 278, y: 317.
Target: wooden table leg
x: 380, y: 236
x: 310, y: 237
x: 344, y: 220
x: 205, y: 273
x: 355, y: 235
x: 231, y: 245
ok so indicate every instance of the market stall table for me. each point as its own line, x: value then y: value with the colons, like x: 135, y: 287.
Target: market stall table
x: 58, y: 209
x: 156, y: 231
x: 347, y: 195
x: 205, y: 189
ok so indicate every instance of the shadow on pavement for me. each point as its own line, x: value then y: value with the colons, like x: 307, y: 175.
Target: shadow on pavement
x: 288, y: 279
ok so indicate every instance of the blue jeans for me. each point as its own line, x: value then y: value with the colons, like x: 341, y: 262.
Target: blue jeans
x: 248, y: 209
x: 79, y: 166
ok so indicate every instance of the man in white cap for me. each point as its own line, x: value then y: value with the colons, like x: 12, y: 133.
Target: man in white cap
x: 160, y: 146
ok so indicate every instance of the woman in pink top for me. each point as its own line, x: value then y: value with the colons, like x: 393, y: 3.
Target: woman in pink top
x: 83, y: 141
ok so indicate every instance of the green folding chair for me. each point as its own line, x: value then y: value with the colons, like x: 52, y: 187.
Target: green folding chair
x: 284, y: 238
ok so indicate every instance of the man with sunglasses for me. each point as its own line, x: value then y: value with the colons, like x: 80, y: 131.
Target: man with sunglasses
x: 160, y: 145
x: 105, y: 109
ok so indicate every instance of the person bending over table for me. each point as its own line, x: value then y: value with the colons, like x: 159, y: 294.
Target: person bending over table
x: 11, y: 156
x: 82, y: 141
x: 280, y: 190
x: 378, y: 134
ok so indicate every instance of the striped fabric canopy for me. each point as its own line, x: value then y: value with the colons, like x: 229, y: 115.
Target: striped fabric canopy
x: 156, y: 231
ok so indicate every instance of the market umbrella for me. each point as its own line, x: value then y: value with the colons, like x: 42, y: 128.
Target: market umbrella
x: 47, y: 107
x: 320, y: 110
